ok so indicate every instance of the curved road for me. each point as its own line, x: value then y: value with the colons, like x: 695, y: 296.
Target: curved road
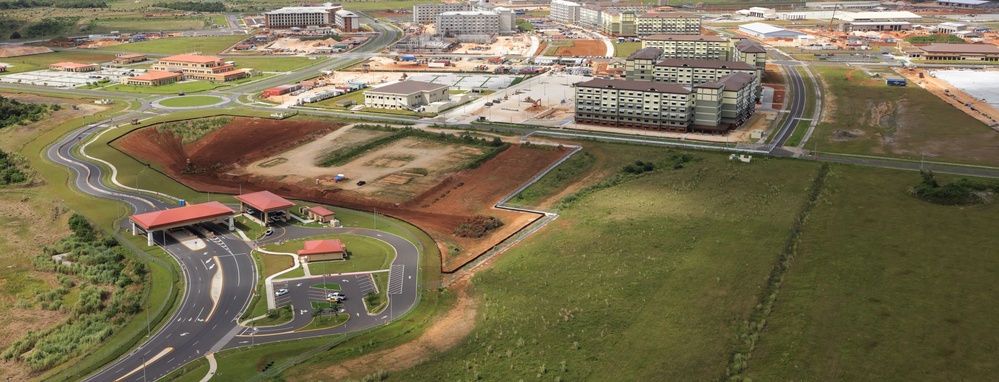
x: 206, y: 322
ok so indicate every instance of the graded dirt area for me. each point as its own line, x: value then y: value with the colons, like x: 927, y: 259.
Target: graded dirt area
x: 394, y: 173
x: 953, y: 95
x: 593, y: 48
x: 217, y: 162
x: 17, y: 51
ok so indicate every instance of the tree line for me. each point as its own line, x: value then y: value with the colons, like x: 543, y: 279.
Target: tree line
x: 193, y: 6
x: 12, y: 169
x: 13, y: 112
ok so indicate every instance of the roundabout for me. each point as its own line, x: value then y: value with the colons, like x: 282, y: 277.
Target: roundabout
x: 191, y: 102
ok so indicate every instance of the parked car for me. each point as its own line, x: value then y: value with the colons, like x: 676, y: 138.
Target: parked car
x: 361, y: 183
x: 281, y: 292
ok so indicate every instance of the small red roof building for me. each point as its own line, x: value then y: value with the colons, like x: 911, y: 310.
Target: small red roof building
x: 321, y: 211
x: 321, y: 247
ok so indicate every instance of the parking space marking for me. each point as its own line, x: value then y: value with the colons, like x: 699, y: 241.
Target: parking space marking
x: 396, y: 274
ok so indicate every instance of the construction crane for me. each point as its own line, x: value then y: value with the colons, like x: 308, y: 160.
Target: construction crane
x: 832, y: 18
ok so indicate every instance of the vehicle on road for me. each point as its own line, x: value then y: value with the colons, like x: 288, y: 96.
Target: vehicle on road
x: 336, y: 297
x: 361, y: 183
x: 281, y: 292
x: 269, y: 232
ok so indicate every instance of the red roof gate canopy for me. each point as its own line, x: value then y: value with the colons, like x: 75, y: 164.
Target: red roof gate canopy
x: 182, y: 216
x: 265, y: 201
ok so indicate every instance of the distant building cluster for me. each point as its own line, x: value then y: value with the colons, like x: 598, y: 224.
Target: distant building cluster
x: 623, y: 19
x: 458, y: 19
x: 188, y: 66
x: 679, y: 83
x: 323, y: 15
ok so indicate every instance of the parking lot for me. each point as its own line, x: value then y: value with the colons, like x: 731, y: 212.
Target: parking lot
x: 301, y: 293
x: 68, y: 79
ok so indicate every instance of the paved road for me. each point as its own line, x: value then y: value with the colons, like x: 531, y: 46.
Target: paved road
x: 203, y: 324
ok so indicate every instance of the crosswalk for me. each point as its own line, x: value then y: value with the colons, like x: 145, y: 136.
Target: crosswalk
x: 396, y: 274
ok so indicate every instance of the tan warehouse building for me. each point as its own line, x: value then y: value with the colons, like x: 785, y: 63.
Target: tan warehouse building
x: 198, y: 67
x: 154, y: 78
x: 406, y: 95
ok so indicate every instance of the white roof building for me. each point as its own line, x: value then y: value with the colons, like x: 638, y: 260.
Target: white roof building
x: 763, y: 30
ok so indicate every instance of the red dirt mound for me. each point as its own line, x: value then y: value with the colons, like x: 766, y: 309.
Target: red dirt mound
x: 438, y: 211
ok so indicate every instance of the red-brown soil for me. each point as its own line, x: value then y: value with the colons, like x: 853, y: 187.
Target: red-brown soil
x: 583, y: 48
x: 779, y: 94
x: 439, y: 210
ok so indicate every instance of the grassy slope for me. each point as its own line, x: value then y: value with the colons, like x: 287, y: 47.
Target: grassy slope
x: 925, y: 123
x: 642, y: 268
x: 177, y: 45
x: 886, y: 288
x: 625, y: 49
x: 191, y: 101
x: 42, y: 61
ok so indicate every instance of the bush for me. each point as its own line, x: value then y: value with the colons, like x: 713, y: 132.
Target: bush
x: 960, y: 192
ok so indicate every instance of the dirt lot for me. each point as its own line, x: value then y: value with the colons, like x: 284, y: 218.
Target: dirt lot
x: 594, y: 48
x: 388, y: 63
x: 218, y: 159
x: 394, y: 173
x: 985, y: 112
x: 779, y: 94
x: 506, y: 45
x: 16, y: 51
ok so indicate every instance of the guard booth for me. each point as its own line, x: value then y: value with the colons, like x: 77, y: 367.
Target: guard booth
x: 266, y: 203
x: 164, y: 220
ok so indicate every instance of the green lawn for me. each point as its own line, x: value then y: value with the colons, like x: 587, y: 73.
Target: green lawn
x: 798, y: 134
x: 275, y: 64
x: 174, y: 88
x: 625, y: 49
x: 885, y: 287
x: 190, y: 101
x: 42, y: 61
x: 326, y: 320
x: 654, y: 276
x: 868, y: 117
x: 276, y: 263
x: 178, y: 45
x: 356, y: 96
x: 330, y: 286
x: 810, y: 100
x: 146, y: 24
x: 278, y: 316
x: 365, y: 254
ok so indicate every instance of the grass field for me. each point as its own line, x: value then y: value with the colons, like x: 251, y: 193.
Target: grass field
x: 865, y: 116
x: 810, y: 99
x: 625, y: 49
x: 178, y: 45
x: 190, y: 101
x: 365, y: 254
x: 42, y: 61
x: 666, y: 258
x: 146, y: 24
x: 886, y: 287
x: 176, y: 87
x: 799, y: 134
x: 275, y: 64
x: 357, y: 97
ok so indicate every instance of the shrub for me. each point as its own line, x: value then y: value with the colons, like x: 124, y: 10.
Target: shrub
x: 960, y: 192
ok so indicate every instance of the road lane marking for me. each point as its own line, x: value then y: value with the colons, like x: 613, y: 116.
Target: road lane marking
x: 221, y: 279
x: 156, y: 357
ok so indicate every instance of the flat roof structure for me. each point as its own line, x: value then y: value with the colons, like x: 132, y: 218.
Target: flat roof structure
x: 154, y: 75
x: 192, y: 58
x: 876, y: 16
x: 319, y: 247
x: 644, y: 86
x: 132, y: 55
x: 182, y: 216
x: 70, y: 65
x: 963, y: 2
x: 684, y: 37
x: 669, y: 15
x: 962, y: 48
x: 650, y: 53
x: 408, y: 87
x: 265, y: 201
x: 316, y: 9
x: 767, y: 31
x: 707, y: 64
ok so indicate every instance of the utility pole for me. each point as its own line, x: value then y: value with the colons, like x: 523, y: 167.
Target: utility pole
x: 144, y: 369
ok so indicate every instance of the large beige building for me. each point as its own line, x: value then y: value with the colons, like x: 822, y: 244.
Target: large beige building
x: 405, y: 95
x: 641, y: 65
x: 695, y: 72
x: 961, y: 52
x: 498, y: 21
x: 427, y: 13
x: 563, y: 11
x: 198, y: 67
x: 700, y: 47
x: 710, y: 107
x: 634, y: 104
x: 648, y: 24
x: 288, y: 17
